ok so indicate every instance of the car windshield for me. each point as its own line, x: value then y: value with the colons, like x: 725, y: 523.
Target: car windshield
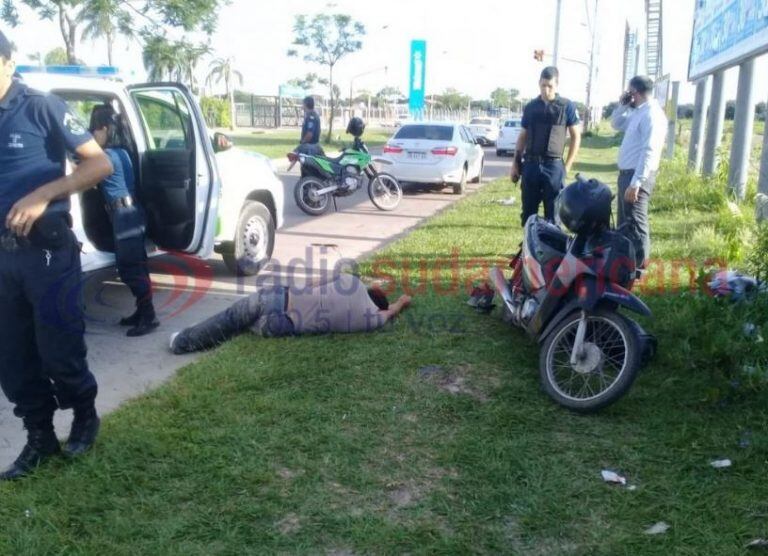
x: 480, y: 121
x: 512, y: 123
x: 428, y: 132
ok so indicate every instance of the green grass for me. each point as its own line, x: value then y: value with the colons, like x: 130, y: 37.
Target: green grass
x: 339, y: 445
x: 276, y: 143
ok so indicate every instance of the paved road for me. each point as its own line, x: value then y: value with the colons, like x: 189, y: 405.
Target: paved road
x: 188, y: 290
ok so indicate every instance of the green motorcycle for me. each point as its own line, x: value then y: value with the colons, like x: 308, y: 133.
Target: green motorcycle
x: 323, y: 179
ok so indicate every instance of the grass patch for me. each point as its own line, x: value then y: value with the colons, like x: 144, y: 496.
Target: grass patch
x: 431, y: 436
x: 276, y: 143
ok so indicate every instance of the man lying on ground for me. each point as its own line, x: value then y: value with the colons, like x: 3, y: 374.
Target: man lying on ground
x: 341, y: 305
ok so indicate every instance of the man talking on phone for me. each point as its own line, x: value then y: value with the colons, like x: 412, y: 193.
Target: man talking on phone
x: 644, y: 125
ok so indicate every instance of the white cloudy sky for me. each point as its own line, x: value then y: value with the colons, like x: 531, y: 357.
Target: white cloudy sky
x: 475, y: 48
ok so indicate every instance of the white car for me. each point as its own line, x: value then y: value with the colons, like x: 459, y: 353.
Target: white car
x: 435, y: 153
x: 485, y: 129
x: 508, y: 134
x: 199, y: 197
x: 401, y: 119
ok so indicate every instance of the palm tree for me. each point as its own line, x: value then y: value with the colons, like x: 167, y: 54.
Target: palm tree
x: 107, y: 19
x: 160, y: 58
x: 189, y: 56
x: 223, y: 68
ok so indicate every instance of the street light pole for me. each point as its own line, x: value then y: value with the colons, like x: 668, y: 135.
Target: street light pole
x: 352, y: 80
x: 556, y: 50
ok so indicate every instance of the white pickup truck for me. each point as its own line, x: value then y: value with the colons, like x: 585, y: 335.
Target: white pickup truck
x: 485, y: 130
x: 199, y: 195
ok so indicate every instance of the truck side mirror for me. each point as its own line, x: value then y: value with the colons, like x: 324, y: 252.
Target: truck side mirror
x: 221, y: 142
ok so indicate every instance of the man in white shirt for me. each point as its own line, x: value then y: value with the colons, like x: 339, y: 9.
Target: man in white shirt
x: 644, y: 125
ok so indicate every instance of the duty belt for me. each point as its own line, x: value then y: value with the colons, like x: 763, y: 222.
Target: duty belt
x: 122, y: 202
x: 532, y: 158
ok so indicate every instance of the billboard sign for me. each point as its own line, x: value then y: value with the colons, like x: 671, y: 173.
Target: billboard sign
x: 417, y: 78
x: 725, y: 33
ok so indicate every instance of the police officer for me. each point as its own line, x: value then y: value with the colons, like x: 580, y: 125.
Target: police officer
x: 42, y: 350
x: 310, y: 129
x: 128, y: 220
x: 540, y: 146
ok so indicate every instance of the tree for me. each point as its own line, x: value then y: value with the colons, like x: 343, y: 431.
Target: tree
x: 500, y: 97
x: 56, y: 57
x: 154, y: 15
x: 453, y: 99
x: 189, y: 55
x: 513, y: 94
x: 308, y: 81
x: 159, y: 57
x: 223, y: 69
x: 390, y: 94
x: 105, y: 19
x: 326, y: 39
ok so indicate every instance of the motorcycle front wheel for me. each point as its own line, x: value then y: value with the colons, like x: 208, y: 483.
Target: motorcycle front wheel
x: 385, y: 192
x: 605, y: 370
x: 307, y: 198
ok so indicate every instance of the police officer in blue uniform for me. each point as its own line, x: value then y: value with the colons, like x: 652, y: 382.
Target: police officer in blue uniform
x: 540, y: 146
x: 128, y: 220
x: 310, y: 129
x: 42, y: 349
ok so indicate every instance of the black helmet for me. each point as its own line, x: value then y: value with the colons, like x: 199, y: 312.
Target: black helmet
x: 356, y: 127
x: 585, y: 205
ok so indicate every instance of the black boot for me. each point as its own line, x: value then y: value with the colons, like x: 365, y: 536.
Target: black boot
x: 133, y: 320
x: 146, y: 320
x: 85, y: 428
x: 41, y: 445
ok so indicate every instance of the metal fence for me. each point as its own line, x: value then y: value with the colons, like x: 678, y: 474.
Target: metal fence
x: 273, y: 112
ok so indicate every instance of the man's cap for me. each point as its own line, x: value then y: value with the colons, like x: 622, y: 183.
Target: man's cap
x: 6, y: 48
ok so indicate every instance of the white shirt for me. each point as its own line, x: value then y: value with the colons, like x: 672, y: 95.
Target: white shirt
x: 645, y: 129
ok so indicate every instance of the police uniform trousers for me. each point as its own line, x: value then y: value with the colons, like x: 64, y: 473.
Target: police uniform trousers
x: 542, y: 180
x: 129, y: 225
x: 42, y: 349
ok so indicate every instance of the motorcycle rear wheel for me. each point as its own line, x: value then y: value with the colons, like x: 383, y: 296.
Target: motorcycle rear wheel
x: 609, y: 367
x: 307, y: 200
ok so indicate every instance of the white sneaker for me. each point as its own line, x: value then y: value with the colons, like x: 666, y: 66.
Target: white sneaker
x: 173, y: 339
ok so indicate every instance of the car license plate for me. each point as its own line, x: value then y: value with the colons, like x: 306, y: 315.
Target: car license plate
x: 416, y: 155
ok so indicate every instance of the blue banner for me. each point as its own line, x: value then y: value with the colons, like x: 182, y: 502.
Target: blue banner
x: 417, y: 78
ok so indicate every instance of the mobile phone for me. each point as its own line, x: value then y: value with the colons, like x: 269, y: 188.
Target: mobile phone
x: 626, y: 97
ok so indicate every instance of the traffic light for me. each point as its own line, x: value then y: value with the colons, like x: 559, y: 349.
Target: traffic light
x: 538, y: 55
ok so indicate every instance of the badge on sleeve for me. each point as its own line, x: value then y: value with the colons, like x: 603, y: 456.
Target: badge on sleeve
x: 73, y: 124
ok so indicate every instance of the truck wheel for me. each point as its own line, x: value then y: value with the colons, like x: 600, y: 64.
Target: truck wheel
x: 254, y: 240
x: 459, y: 188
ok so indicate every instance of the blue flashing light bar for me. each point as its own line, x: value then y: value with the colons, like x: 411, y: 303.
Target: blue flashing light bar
x: 81, y: 71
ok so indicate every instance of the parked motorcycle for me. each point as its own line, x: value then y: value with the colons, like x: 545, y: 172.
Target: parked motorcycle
x: 566, y: 291
x: 323, y: 178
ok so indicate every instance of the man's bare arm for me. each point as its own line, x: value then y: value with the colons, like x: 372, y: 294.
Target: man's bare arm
x: 573, y: 148
x: 94, y: 166
x: 522, y: 139
x: 396, y: 308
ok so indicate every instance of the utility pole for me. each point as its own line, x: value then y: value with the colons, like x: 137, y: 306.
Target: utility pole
x: 593, y: 29
x: 556, y: 50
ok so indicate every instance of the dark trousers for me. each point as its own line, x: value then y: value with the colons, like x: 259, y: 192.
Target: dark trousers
x: 42, y: 349
x: 129, y: 226
x: 263, y: 312
x: 542, y: 182
x: 635, y: 217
